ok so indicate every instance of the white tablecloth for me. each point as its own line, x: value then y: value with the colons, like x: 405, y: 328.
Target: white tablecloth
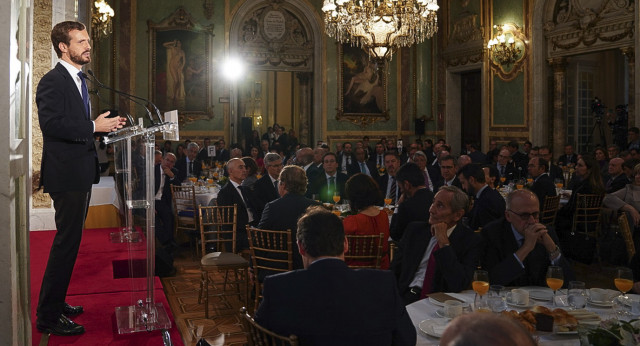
x: 424, y: 309
x: 104, y: 193
x: 204, y: 198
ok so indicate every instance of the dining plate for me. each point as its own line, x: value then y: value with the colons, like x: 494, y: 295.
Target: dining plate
x: 632, y: 298
x: 433, y: 327
x: 540, y: 294
x: 570, y: 332
x: 436, y: 302
x: 599, y: 304
x: 519, y: 306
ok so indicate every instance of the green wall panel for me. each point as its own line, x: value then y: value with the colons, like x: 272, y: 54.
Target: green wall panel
x: 508, y: 101
x: 508, y: 11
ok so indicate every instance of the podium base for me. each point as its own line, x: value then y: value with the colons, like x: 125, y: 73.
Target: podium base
x: 125, y: 236
x: 133, y: 319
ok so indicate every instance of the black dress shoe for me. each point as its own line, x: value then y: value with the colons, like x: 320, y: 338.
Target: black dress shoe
x: 63, y: 327
x: 69, y: 310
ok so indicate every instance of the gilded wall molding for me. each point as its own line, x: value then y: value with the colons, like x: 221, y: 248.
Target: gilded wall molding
x: 465, y: 43
x: 42, y: 59
x: 572, y: 27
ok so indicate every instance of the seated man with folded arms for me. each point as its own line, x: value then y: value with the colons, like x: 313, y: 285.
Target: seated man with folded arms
x: 518, y: 249
x: 327, y: 303
x: 439, y: 256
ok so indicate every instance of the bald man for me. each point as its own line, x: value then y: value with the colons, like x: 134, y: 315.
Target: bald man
x: 617, y: 179
x: 232, y: 193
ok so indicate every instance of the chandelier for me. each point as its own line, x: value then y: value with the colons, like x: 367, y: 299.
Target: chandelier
x: 380, y: 26
x: 101, y: 19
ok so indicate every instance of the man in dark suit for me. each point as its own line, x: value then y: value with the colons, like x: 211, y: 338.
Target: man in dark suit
x: 345, y: 158
x: 69, y: 167
x: 327, y: 302
x: 476, y: 155
x: 222, y: 153
x: 569, y: 158
x: 265, y: 189
x: 388, y: 184
x: 617, y: 179
x: 361, y: 165
x: 518, y: 249
x: 377, y: 157
x: 488, y: 204
x: 189, y: 166
x: 451, y: 249
x: 518, y: 158
x: 415, y: 201
x: 165, y: 176
x: 232, y: 193
x: 332, y: 181
x: 542, y: 185
x: 448, y: 169
x: 553, y: 170
x: 506, y: 168
x: 283, y: 213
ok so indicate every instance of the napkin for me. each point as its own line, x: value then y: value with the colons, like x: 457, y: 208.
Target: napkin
x: 442, y: 297
x: 438, y: 330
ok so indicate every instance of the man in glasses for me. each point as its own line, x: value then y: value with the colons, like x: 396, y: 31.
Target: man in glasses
x: 518, y: 249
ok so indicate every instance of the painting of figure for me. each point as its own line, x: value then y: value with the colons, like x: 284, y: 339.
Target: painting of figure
x: 363, y: 83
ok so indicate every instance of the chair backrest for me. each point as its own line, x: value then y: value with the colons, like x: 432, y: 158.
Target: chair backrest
x: 623, y: 223
x: 586, y: 218
x: 259, y: 335
x: 218, y: 227
x: 270, y: 250
x: 365, y: 251
x: 549, y: 210
x: 184, y: 207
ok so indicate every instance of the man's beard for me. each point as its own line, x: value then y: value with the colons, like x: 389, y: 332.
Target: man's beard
x: 78, y: 59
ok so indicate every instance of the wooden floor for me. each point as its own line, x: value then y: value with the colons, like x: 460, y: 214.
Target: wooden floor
x: 182, y: 294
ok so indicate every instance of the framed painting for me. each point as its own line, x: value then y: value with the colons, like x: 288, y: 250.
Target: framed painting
x: 362, y: 87
x: 180, y: 68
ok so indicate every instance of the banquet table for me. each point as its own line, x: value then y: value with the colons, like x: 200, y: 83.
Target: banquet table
x: 104, y: 205
x: 427, y: 309
x: 204, y: 198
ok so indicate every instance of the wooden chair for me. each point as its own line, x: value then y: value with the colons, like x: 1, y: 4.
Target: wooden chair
x: 550, y: 210
x: 259, y: 336
x: 218, y: 230
x: 586, y: 218
x: 365, y: 251
x: 271, y: 253
x: 623, y: 223
x: 185, y: 214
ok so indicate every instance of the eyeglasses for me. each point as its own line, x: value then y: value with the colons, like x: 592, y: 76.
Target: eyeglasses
x: 526, y: 216
x: 330, y: 161
x: 276, y: 165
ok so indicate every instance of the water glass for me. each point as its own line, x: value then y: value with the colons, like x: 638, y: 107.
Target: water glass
x: 497, y: 298
x: 577, y: 294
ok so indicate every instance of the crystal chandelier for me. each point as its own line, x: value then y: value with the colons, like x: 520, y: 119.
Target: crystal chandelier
x: 379, y: 26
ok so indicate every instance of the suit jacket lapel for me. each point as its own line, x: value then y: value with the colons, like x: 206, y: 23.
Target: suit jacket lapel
x: 71, y: 84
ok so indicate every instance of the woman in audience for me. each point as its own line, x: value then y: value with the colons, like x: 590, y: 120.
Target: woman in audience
x: 587, y: 181
x: 252, y: 171
x: 180, y: 152
x: 255, y: 155
x: 364, y: 194
x: 627, y: 199
x: 603, y: 160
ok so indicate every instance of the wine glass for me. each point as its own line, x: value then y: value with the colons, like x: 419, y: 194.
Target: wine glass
x: 480, y: 285
x: 387, y: 202
x: 336, y: 197
x: 555, y: 279
x: 502, y: 180
x: 624, y: 283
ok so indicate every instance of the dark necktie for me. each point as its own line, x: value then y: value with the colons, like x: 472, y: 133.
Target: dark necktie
x: 430, y: 273
x: 502, y: 171
x: 392, y: 190
x: 85, y: 94
x: 275, y: 184
x: 191, y: 168
x: 426, y: 178
x: 362, y: 169
x: 380, y: 160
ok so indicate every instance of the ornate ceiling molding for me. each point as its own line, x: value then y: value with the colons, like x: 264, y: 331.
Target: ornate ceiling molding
x: 465, y: 43
x: 577, y: 26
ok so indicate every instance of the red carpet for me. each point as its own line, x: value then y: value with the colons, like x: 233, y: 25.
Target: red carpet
x: 94, y: 285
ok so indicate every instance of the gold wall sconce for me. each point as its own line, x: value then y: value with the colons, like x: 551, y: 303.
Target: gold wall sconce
x: 507, y: 50
x: 101, y: 16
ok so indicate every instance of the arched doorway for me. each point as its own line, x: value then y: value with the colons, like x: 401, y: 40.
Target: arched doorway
x: 281, y: 42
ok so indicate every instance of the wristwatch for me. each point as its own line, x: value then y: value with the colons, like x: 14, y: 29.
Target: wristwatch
x: 553, y: 255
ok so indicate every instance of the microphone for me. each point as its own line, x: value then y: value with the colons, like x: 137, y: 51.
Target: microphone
x: 130, y: 97
x: 113, y: 110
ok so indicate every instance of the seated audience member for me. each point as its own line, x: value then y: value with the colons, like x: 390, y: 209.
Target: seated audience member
x: 542, y: 185
x: 157, y: 158
x: 517, y: 248
x: 203, y: 154
x: 476, y: 155
x: 627, y: 199
x: 439, y: 256
x: 254, y: 153
x: 414, y: 202
x: 233, y: 193
x: 265, y: 189
x: 553, y: 170
x: 420, y: 159
x: 189, y: 166
x: 482, y: 329
x: 327, y: 303
x: 252, y: 172
x: 448, y: 169
x: 506, y: 167
x: 283, y: 213
x: 363, y: 194
x: 616, y: 178
x: 491, y: 176
x: 588, y: 181
x: 488, y: 204
x: 165, y: 176
x: 569, y: 158
x: 222, y: 153
x: 388, y: 184
x: 330, y: 181
x: 463, y: 160
x: 361, y: 165
x: 602, y: 157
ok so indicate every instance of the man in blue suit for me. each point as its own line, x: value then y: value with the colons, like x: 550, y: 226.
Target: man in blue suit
x: 488, y: 204
x: 327, y: 303
x: 69, y: 168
